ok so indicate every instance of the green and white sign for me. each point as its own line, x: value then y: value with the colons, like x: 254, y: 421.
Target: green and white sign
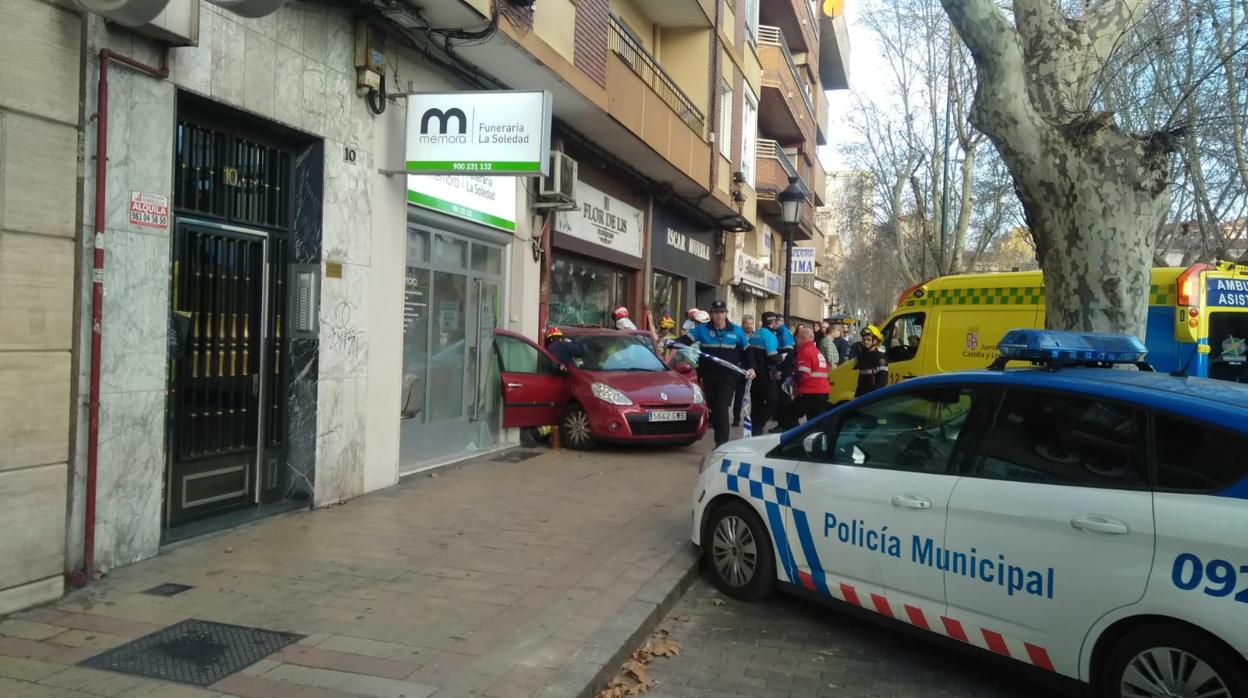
x: 487, y: 200
x: 502, y: 132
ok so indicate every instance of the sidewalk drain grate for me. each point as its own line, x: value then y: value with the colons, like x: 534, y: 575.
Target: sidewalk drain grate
x: 515, y: 456
x: 168, y: 589
x: 195, y: 652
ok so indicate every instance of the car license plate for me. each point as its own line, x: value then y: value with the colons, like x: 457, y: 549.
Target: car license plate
x: 667, y: 416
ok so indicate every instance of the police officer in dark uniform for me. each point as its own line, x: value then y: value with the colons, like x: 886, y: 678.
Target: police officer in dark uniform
x: 764, y: 357
x: 727, y: 342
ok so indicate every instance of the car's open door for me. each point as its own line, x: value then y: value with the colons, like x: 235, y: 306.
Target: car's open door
x: 535, y: 387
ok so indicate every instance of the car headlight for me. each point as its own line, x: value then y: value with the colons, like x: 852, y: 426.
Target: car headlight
x: 609, y: 395
x: 698, y: 397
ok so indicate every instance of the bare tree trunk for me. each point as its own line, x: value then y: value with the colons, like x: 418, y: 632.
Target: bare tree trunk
x: 1092, y: 195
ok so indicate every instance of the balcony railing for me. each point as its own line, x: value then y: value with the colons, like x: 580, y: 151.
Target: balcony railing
x: 648, y: 69
x: 773, y: 37
x: 767, y: 148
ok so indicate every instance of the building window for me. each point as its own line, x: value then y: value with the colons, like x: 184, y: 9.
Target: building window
x: 667, y: 296
x: 749, y: 130
x: 584, y: 292
x: 751, y: 20
x: 725, y: 119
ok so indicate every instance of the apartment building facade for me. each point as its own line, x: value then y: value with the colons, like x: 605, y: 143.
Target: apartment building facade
x: 215, y: 290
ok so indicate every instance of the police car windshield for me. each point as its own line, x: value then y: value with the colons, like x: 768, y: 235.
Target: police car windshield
x: 617, y: 353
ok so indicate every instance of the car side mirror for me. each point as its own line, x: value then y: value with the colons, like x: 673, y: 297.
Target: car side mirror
x: 815, y: 445
x: 683, y: 369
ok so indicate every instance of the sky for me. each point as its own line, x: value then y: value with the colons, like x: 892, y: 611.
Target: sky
x: 865, y: 63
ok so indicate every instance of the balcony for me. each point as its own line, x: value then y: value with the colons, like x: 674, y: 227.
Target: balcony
x: 647, y: 67
x: 677, y: 13
x: 786, y: 108
x: 796, y: 18
x: 774, y: 170
x: 807, y: 303
x: 821, y: 116
x: 818, y: 178
x: 646, y: 100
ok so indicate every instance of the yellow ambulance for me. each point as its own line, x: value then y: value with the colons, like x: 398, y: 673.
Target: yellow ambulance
x: 1197, y: 323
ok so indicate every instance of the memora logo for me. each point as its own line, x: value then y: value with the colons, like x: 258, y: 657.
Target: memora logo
x: 445, y: 119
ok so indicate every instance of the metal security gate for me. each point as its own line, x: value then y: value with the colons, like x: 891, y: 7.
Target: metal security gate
x: 227, y: 406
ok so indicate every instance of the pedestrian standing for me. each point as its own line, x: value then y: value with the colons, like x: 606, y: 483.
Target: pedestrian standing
x: 811, y: 376
x: 725, y: 341
x: 839, y: 330
x: 827, y: 343
x: 764, y: 358
x: 872, y: 364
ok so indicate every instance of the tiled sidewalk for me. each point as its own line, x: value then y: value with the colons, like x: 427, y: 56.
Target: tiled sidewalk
x: 481, y: 579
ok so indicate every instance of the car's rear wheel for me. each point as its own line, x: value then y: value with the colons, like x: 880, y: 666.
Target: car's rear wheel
x: 1172, y: 661
x: 574, y: 428
x: 738, y: 553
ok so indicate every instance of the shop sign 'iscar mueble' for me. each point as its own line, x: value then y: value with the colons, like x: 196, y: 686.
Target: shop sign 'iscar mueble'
x: 497, y: 133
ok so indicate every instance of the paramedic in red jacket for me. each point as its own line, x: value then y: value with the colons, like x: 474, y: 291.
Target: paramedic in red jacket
x: 811, y: 392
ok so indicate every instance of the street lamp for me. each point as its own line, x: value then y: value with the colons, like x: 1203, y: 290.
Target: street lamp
x: 790, y: 200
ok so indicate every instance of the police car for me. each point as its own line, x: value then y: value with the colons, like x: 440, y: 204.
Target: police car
x: 1088, y: 521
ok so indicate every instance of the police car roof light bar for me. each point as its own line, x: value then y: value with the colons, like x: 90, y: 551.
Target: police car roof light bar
x: 1054, y: 349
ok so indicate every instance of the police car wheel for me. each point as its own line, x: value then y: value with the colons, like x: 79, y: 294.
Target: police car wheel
x: 575, y: 430
x: 1172, y: 661
x: 738, y: 553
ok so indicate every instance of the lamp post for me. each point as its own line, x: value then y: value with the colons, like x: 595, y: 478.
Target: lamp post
x: 790, y: 200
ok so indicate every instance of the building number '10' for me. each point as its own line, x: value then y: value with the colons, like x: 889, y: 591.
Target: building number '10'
x: 1189, y: 572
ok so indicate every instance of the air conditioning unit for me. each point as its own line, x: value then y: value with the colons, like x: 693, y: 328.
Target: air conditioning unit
x: 558, y: 190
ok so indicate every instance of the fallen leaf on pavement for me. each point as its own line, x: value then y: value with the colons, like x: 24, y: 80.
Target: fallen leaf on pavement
x: 229, y: 548
x: 718, y: 601
x: 665, y: 648
x: 638, y: 671
x: 681, y: 618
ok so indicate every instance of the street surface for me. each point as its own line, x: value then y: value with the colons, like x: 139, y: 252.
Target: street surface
x: 786, y: 647
x: 481, y: 579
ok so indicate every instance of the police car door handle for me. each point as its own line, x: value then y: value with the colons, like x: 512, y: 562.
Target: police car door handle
x: 910, y: 501
x: 1094, y: 523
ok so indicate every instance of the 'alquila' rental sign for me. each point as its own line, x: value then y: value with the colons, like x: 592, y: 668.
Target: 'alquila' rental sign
x: 494, y: 133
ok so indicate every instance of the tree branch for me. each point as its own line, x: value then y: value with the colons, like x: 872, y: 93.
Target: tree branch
x: 1002, y: 108
x: 1108, y: 20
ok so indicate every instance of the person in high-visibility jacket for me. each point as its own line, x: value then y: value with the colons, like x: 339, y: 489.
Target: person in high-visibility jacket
x: 811, y: 392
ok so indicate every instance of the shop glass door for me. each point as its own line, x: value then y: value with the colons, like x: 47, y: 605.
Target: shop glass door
x: 449, y: 400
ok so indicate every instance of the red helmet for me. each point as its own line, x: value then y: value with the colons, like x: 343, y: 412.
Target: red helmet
x: 692, y: 312
x: 619, y: 312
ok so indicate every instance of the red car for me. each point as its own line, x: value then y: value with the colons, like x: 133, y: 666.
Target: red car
x: 616, y: 390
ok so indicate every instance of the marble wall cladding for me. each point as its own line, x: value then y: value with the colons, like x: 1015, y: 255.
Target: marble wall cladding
x: 259, y: 82
x: 294, y: 66
x: 136, y: 312
x: 344, y: 324
x: 191, y: 66
x: 304, y: 369
x: 288, y: 87
x: 132, y: 463
x: 340, y: 440
x: 229, y: 55
x: 348, y: 206
x: 300, y: 477
x: 309, y: 182
x: 141, y: 118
